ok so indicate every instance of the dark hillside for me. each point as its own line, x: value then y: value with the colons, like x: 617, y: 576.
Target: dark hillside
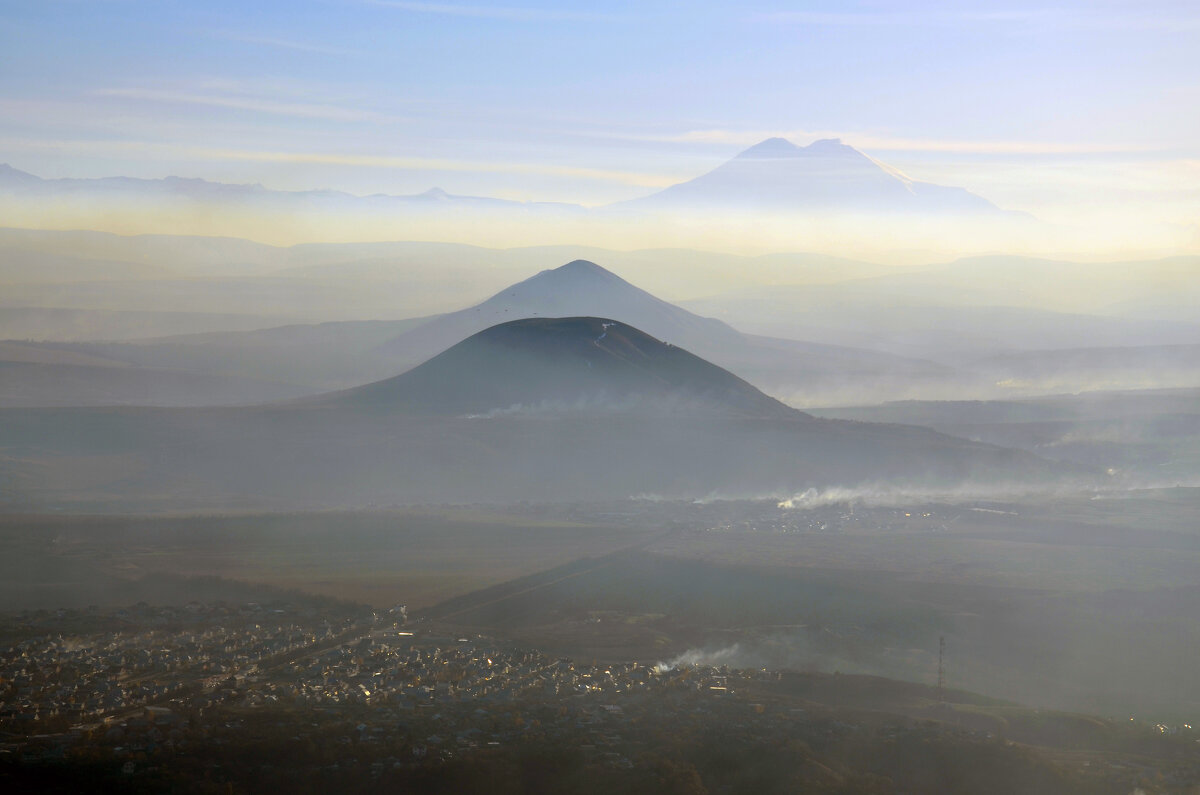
x: 584, y: 363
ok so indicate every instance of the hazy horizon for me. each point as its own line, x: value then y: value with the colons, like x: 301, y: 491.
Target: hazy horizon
x: 174, y: 205
x: 1082, y: 116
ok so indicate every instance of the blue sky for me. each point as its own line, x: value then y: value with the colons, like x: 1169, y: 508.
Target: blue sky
x: 1040, y: 107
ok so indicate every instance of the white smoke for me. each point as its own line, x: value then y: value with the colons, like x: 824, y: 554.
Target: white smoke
x: 886, y: 495
x: 692, y: 658
x: 798, y: 649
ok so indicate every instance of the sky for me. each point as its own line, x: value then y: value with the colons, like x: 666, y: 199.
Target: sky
x: 1076, y: 109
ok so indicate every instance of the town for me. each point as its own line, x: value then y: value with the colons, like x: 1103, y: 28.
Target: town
x: 166, y: 669
x: 332, y: 695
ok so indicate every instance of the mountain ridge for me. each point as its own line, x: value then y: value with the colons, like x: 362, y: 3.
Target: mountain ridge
x: 340, y: 355
x: 198, y: 188
x: 583, y: 288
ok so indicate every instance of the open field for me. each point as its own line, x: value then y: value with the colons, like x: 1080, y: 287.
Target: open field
x: 412, y: 557
x: 1108, y: 652
x: 1135, y: 540
x: 1076, y: 604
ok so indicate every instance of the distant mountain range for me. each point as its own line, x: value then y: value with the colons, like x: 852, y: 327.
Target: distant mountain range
x: 773, y: 176
x: 21, y: 183
x: 827, y: 175
x: 540, y: 409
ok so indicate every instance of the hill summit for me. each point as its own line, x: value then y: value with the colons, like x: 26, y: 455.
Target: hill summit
x: 773, y: 148
x: 572, y: 364
x: 567, y: 282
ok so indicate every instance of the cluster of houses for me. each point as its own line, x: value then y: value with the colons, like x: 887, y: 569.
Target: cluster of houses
x: 146, y: 655
x: 399, y: 672
x: 161, y: 686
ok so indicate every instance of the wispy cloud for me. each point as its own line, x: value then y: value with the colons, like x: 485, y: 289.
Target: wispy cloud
x: 840, y: 19
x: 297, y: 109
x: 1033, y: 18
x: 272, y: 41
x: 993, y: 147
x: 495, y: 12
x: 183, y: 152
x: 876, y: 142
x: 437, y: 164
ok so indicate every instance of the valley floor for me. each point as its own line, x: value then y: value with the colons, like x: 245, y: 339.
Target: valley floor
x: 736, y: 645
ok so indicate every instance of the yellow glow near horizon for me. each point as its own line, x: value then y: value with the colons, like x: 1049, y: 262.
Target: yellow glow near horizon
x: 897, y: 240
